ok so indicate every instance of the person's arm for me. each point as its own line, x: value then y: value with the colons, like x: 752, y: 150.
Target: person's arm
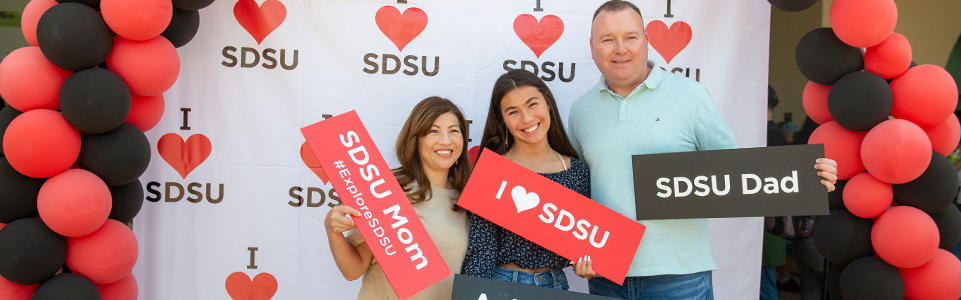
x: 351, y: 260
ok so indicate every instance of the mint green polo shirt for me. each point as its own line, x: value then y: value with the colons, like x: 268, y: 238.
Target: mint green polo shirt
x: 666, y: 113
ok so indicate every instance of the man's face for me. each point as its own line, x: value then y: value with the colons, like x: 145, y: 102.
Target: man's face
x: 619, y: 48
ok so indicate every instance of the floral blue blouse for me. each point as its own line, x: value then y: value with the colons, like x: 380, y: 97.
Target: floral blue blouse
x: 491, y: 246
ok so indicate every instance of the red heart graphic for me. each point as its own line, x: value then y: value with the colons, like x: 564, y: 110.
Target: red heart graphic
x: 669, y: 41
x: 261, y: 20
x: 184, y: 157
x: 240, y: 287
x: 538, y: 35
x: 401, y: 28
x: 311, y: 161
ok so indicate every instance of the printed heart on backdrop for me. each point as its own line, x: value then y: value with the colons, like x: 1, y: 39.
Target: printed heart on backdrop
x: 669, y: 41
x: 524, y: 200
x: 261, y: 20
x: 401, y: 28
x: 311, y: 161
x: 184, y: 156
x: 538, y: 35
x: 240, y: 287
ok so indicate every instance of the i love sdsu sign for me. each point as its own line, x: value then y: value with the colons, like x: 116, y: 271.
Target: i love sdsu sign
x: 237, y: 200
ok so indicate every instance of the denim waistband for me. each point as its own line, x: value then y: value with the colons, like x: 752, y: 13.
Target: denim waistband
x: 553, y: 278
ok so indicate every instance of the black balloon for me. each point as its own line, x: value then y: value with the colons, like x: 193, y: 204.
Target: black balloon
x: 870, y: 278
x: 823, y: 58
x: 30, y: 252
x: 842, y: 237
x: 835, y: 199
x: 183, y: 26
x: 67, y: 286
x: 95, y: 4
x: 860, y: 100
x: 127, y: 201
x: 933, y: 190
x: 792, y: 5
x: 949, y: 226
x: 118, y: 157
x: 18, y: 194
x: 191, y: 4
x: 95, y: 100
x: 74, y: 36
x: 7, y: 114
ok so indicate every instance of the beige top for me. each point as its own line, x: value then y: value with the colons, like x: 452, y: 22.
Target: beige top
x: 447, y: 228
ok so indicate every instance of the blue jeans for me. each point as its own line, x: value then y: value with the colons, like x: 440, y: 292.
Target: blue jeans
x: 697, y: 286
x: 769, y: 283
x: 553, y: 278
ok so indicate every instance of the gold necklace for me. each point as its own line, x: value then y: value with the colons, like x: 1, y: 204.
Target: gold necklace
x: 538, y: 166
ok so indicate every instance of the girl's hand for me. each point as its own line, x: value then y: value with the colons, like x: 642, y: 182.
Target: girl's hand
x: 583, y: 268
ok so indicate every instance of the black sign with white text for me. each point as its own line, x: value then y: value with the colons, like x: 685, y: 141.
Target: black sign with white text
x: 754, y: 182
x: 477, y: 288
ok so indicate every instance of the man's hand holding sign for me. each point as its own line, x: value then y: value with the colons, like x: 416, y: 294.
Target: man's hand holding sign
x: 381, y: 210
x: 550, y: 215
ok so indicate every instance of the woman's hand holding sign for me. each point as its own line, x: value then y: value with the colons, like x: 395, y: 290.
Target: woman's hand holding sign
x: 337, y: 220
x: 828, y: 169
x: 583, y: 268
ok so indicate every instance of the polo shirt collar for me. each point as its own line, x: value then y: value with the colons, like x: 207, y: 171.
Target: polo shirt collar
x: 651, y: 82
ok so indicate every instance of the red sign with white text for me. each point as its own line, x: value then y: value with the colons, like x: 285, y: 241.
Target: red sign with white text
x: 551, y: 215
x: 389, y: 224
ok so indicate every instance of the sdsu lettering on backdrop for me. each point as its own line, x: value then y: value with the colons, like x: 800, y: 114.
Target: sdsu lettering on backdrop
x: 297, y: 193
x: 259, y: 21
x: 401, y: 29
x: 539, y: 36
x: 184, y: 157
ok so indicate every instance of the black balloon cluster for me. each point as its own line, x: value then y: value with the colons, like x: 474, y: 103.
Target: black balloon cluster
x: 73, y: 142
x: 889, y: 124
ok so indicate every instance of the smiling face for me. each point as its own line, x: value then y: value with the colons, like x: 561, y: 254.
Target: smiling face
x: 619, y: 49
x: 442, y: 145
x: 526, y: 115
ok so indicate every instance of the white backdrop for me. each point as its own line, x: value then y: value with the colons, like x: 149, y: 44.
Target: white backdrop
x: 252, y: 113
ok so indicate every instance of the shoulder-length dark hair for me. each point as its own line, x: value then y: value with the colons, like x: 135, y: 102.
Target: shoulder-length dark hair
x: 411, y: 169
x: 498, y: 138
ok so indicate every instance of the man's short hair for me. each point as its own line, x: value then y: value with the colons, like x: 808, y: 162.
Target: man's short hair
x: 615, y: 6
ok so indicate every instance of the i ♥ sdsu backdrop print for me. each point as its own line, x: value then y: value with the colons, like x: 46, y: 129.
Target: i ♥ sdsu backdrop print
x: 236, y: 202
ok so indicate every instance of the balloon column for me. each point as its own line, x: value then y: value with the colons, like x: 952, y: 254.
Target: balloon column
x: 80, y: 98
x: 889, y: 125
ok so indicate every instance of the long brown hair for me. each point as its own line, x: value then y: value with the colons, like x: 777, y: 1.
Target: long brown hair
x: 411, y: 169
x: 496, y: 136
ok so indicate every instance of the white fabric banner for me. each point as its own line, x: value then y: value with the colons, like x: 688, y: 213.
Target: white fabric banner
x: 237, y: 200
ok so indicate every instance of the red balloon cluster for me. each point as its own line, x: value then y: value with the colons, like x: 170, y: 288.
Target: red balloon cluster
x: 73, y: 203
x: 896, y: 152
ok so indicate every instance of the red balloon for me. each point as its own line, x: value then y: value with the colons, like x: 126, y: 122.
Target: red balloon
x: 925, y: 95
x: 13, y: 291
x: 863, y: 23
x: 945, y: 136
x: 937, y: 279
x: 146, y: 111
x: 896, y: 151
x: 137, y: 20
x: 30, y: 18
x: 123, y: 289
x: 905, y: 237
x: 889, y: 58
x: 841, y: 145
x: 106, y: 255
x: 866, y: 196
x: 2, y: 225
x: 74, y: 203
x: 148, y: 67
x: 29, y: 81
x: 41, y: 143
x: 815, y: 100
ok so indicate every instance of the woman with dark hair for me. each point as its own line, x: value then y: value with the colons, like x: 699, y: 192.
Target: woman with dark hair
x: 524, y: 125
x: 433, y: 172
